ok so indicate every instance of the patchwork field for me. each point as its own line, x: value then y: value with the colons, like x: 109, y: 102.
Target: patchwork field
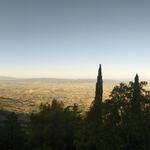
x: 25, y: 96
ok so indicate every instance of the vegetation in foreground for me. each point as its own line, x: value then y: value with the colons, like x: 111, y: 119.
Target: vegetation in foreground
x: 121, y: 122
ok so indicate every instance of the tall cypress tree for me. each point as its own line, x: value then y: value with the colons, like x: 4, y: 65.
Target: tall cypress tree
x: 99, y: 87
x: 96, y: 109
x: 136, y: 95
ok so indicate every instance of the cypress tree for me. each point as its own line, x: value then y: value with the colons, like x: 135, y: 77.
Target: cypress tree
x: 136, y: 95
x: 96, y: 109
x: 99, y: 87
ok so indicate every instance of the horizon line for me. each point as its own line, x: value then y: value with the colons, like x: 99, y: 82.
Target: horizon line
x: 68, y: 78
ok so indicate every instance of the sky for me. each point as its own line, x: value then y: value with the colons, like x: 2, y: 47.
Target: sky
x: 70, y: 38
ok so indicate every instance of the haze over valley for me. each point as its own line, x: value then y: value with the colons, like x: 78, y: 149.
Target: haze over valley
x: 25, y: 95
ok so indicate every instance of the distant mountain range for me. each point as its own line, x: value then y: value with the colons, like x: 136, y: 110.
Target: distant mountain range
x: 51, y: 80
x: 7, y: 78
x: 57, y: 80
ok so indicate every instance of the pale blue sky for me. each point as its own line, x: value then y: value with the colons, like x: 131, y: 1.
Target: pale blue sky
x: 68, y: 39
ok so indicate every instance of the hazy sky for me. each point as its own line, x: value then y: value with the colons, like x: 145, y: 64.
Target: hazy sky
x: 69, y: 38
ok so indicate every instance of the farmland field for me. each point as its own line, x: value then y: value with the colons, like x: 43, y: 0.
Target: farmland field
x: 25, y: 96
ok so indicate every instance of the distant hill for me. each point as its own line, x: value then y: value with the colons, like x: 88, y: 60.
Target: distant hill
x: 6, y: 78
x: 52, y: 80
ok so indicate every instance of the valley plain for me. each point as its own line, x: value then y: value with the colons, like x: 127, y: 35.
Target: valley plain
x: 26, y: 95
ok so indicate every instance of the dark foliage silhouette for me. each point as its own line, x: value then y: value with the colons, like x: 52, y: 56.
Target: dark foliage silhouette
x: 11, y: 134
